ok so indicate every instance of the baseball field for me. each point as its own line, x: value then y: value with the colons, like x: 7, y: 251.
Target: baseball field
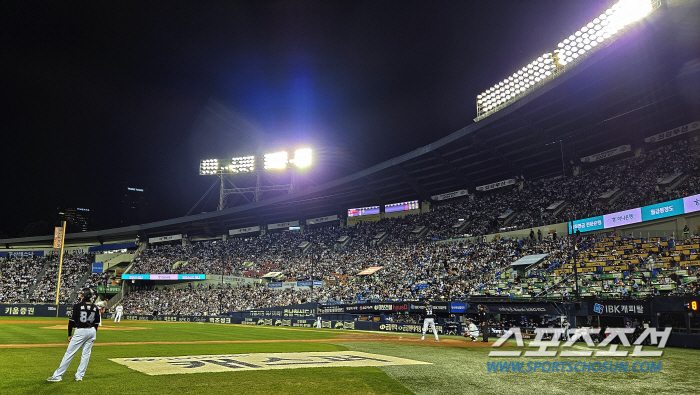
x: 144, y: 357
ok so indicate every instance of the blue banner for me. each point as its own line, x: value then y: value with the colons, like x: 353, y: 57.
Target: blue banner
x: 32, y: 310
x: 304, y: 283
x: 274, y: 285
x: 107, y: 247
x: 586, y: 225
x: 458, y: 307
x: 662, y: 210
x: 98, y: 267
x: 165, y: 276
x: 19, y: 254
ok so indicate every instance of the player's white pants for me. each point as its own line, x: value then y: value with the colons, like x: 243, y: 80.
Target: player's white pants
x: 82, y: 337
x: 431, y: 322
x: 118, y: 317
x: 318, y: 323
x: 473, y: 333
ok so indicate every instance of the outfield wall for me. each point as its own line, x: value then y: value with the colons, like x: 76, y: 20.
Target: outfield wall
x: 372, y: 315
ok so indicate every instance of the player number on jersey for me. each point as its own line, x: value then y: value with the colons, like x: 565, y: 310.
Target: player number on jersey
x: 84, y: 317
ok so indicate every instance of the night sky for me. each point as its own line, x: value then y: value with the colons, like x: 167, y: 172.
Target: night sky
x: 99, y: 96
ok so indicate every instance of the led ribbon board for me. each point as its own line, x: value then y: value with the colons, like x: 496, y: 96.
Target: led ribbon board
x: 653, y: 212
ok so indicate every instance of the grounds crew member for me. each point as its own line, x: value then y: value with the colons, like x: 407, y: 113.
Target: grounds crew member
x: 85, y: 318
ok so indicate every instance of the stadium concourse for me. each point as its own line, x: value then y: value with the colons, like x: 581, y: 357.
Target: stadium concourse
x: 431, y: 266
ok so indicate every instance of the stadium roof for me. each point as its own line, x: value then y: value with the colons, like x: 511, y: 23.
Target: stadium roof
x: 640, y: 85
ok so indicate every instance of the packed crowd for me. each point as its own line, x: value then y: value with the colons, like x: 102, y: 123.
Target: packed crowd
x: 74, y: 267
x: 435, y: 271
x: 414, y: 267
x: 411, y: 267
x: 17, y: 275
x: 204, y: 301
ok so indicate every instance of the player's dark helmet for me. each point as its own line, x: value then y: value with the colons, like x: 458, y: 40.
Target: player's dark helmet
x: 87, y: 294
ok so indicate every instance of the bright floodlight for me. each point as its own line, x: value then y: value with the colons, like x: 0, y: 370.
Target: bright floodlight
x: 276, y: 160
x: 302, y: 157
x: 605, y: 27
x: 208, y: 166
x: 242, y: 164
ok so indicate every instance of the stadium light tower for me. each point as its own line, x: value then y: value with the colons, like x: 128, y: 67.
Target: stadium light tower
x: 302, y: 157
x: 598, y: 33
x: 276, y: 161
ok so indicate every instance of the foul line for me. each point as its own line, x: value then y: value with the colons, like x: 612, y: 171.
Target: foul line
x: 49, y: 345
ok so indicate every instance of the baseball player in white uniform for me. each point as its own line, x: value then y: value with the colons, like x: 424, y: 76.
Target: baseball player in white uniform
x: 86, y: 319
x: 472, y: 331
x: 118, y: 315
x: 429, y: 321
x: 101, y: 305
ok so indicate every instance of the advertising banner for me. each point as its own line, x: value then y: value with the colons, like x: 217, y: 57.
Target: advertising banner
x: 586, y: 225
x: 383, y: 307
x: 231, y: 279
x: 305, y: 310
x: 499, y: 184
x: 673, y: 132
x: 458, y: 307
x: 662, y: 210
x: 112, y: 247
x: 166, y: 276
x: 522, y: 308
x: 98, y: 267
x: 58, y: 237
x: 691, y: 203
x: 32, y: 310
x: 110, y: 289
x: 282, y: 225
x: 162, y: 239
x: 607, y: 154
x: 450, y: 195
x: 621, y: 218
x: 319, y: 220
x: 20, y: 254
x: 242, y: 231
x: 621, y: 308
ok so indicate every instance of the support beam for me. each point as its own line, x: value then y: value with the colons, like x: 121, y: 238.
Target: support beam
x: 424, y: 196
x: 454, y: 171
x: 512, y: 166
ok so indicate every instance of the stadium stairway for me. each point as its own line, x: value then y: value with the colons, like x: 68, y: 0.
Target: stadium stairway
x: 342, y: 242
x: 114, y: 300
x: 78, y: 287
x: 125, y: 285
x: 678, y: 181
x: 38, y: 279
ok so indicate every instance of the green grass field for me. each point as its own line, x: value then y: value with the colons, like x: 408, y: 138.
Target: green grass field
x: 455, y: 367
